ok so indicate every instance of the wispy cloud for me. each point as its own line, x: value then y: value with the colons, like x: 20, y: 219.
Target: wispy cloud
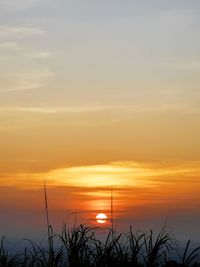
x: 19, y: 50
x: 118, y: 174
x: 128, y: 110
x: 13, y: 33
x: 56, y: 110
x: 39, y: 54
x: 19, y: 79
x: 26, y: 80
x: 10, y: 45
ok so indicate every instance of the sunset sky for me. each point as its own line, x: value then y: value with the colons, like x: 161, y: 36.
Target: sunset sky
x: 100, y: 94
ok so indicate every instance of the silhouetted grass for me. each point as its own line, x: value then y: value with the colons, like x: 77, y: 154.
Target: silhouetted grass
x: 79, y: 247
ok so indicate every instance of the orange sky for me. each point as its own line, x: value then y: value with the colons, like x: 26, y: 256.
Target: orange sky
x: 145, y: 195
x: 95, y: 95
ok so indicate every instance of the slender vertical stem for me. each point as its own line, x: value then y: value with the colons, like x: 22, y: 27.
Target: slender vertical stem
x: 111, y: 209
x: 49, y: 230
x: 46, y: 209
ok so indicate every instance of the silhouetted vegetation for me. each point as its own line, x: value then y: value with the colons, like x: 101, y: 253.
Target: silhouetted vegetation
x: 80, y: 247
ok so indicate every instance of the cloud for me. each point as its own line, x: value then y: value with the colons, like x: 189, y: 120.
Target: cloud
x: 12, y: 33
x: 10, y: 45
x: 26, y: 80
x: 15, y: 51
x: 14, y: 78
x: 56, y: 110
x: 118, y: 109
x: 39, y: 55
x: 21, y: 51
x: 121, y: 174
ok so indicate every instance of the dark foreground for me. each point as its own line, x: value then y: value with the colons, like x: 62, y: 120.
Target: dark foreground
x: 80, y: 247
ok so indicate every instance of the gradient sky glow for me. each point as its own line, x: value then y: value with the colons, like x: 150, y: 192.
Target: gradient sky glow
x: 99, y: 93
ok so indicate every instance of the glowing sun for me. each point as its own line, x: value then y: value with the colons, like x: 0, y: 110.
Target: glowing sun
x: 101, y: 218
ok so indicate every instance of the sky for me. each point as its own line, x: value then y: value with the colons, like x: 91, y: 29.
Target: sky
x: 96, y: 94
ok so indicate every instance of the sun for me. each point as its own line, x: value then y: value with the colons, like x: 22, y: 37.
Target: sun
x: 101, y: 218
